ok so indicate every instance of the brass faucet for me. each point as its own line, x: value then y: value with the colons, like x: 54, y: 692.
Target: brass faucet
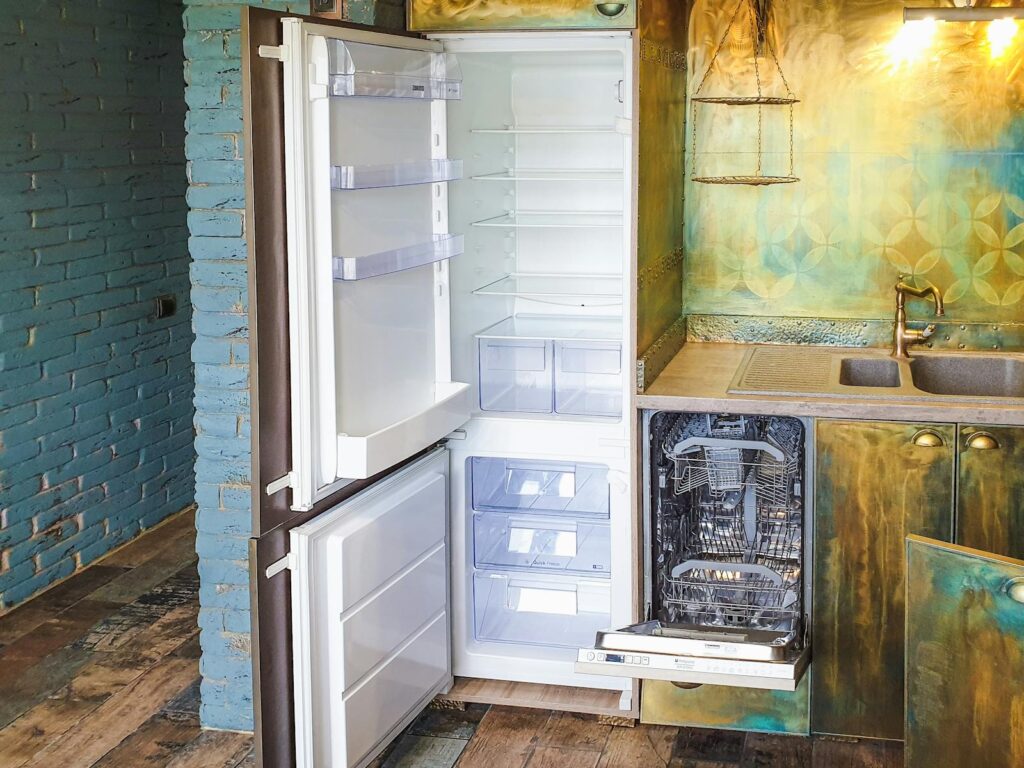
x: 903, y: 337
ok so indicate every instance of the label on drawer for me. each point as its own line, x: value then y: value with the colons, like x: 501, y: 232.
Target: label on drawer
x: 533, y: 600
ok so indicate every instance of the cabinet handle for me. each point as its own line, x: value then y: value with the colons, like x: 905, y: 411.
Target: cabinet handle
x: 928, y: 438
x: 982, y: 441
x: 1014, y: 589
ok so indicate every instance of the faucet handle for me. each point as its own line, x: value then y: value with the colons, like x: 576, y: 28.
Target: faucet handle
x: 928, y: 331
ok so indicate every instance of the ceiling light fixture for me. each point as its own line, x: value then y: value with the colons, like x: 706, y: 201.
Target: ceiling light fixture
x: 965, y: 13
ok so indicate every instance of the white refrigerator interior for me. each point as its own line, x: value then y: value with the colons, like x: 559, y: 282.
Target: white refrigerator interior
x: 459, y: 219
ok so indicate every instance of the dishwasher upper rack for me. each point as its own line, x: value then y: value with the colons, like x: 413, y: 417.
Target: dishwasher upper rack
x: 718, y: 531
x: 727, y: 466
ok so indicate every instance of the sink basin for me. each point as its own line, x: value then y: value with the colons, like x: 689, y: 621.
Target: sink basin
x: 968, y: 375
x: 868, y: 372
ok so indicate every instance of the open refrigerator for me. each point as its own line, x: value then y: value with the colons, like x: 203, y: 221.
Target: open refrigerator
x: 459, y: 223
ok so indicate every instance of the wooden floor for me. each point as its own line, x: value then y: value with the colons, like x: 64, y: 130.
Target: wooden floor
x: 103, y: 671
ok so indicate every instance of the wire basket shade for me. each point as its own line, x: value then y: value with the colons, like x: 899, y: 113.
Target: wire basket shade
x: 758, y: 28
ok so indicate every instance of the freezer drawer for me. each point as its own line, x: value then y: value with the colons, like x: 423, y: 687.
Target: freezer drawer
x: 538, y: 543
x: 547, y: 487
x: 537, y: 610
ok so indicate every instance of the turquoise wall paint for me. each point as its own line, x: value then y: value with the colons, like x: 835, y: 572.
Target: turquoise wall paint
x: 95, y: 392
x: 216, y: 219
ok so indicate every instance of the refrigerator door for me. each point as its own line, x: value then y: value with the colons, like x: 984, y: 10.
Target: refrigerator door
x: 370, y: 616
x: 368, y: 247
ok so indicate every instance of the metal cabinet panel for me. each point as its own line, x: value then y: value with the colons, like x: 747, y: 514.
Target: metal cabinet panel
x: 875, y: 484
x: 442, y: 15
x: 965, y: 657
x: 990, y: 491
x: 716, y: 706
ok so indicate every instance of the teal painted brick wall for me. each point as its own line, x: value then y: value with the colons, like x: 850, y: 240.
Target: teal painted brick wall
x: 96, y: 439
x: 219, y: 272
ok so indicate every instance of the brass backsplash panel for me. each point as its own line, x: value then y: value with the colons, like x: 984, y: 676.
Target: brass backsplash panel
x: 911, y: 168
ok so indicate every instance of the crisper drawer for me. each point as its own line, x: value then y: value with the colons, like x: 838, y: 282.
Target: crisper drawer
x: 515, y: 375
x: 524, y: 608
x: 512, y: 485
x: 588, y: 378
x: 533, y: 542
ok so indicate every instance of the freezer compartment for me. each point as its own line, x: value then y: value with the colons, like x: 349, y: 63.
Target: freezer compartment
x: 525, y: 608
x: 532, y: 542
x: 545, y: 487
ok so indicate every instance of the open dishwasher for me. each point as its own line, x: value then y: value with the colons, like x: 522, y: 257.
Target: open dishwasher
x: 724, y: 566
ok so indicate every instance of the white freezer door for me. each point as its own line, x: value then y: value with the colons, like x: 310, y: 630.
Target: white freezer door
x: 370, y: 617
x: 368, y: 246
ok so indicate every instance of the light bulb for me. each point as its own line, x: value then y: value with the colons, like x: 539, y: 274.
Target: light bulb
x: 912, y: 41
x: 1000, y: 36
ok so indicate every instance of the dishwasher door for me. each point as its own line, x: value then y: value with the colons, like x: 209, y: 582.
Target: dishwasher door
x: 724, y: 533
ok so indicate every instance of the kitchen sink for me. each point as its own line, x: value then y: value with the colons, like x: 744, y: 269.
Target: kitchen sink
x: 864, y: 374
x: 868, y: 372
x: 968, y: 376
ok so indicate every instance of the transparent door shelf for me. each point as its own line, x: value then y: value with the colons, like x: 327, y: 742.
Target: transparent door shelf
x: 554, y: 220
x: 397, y: 259
x: 538, y: 543
x: 358, y: 69
x: 539, y: 487
x: 604, y: 288
x: 394, y: 175
x: 539, y: 610
x: 550, y: 129
x: 556, y: 327
x: 568, y: 174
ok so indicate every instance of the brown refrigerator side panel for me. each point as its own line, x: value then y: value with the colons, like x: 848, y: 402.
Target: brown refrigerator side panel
x: 263, y: 117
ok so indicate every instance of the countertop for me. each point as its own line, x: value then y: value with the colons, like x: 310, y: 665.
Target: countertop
x: 698, y: 379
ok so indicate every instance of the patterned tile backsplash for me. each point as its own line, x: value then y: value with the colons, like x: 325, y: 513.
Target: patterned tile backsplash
x: 909, y: 167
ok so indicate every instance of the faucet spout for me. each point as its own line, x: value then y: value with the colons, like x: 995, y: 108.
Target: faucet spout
x: 903, y: 337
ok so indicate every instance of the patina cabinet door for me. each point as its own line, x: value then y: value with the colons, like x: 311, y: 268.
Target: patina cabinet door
x: 990, y: 491
x: 965, y: 657
x: 449, y: 15
x: 875, y: 484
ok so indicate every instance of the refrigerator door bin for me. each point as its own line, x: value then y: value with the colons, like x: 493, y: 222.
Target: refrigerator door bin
x: 439, y: 248
x: 537, y: 610
x: 588, y: 378
x: 395, y: 175
x: 539, y: 487
x: 359, y: 69
x: 537, y: 543
x: 515, y: 375
x: 362, y: 456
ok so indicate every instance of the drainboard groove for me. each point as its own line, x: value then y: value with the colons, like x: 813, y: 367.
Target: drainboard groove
x: 785, y: 370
